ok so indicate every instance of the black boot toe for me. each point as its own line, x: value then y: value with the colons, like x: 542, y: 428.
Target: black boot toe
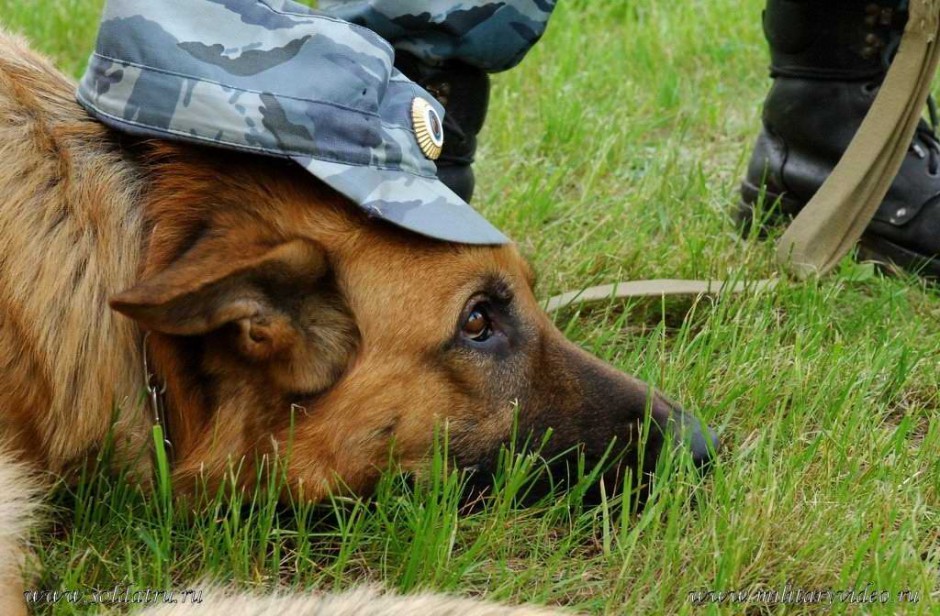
x: 828, y: 62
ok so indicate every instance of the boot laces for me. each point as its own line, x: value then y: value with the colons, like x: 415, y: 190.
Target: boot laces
x: 926, y: 144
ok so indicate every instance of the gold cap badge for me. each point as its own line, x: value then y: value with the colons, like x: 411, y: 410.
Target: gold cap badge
x: 428, y: 128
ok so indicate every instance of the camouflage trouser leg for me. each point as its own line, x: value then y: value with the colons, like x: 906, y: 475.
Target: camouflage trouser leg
x: 489, y: 34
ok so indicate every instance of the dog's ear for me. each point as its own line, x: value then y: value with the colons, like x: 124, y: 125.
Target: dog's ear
x: 257, y: 288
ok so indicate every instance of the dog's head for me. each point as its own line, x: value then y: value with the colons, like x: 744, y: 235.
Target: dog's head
x: 284, y: 318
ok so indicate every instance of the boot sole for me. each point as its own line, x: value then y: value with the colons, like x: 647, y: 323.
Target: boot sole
x: 889, y: 256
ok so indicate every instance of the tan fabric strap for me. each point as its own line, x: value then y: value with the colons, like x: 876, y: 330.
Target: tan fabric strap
x: 654, y: 288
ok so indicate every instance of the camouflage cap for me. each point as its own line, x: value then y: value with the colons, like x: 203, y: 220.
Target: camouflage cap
x: 276, y: 78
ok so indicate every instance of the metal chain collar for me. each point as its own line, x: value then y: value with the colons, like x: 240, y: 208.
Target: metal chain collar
x: 156, y: 399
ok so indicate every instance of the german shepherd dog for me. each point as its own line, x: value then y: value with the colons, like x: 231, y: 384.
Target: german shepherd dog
x: 276, y: 315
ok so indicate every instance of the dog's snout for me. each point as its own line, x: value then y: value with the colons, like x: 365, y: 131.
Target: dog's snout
x: 691, y: 433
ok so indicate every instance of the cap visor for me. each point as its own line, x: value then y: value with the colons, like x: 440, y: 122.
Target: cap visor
x: 419, y: 204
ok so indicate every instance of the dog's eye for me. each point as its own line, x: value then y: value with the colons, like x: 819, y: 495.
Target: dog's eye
x: 478, y: 327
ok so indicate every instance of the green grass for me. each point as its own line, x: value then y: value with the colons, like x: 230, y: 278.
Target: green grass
x: 613, y: 152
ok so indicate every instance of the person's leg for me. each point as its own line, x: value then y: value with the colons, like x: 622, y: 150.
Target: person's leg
x: 828, y: 60
x: 449, y: 49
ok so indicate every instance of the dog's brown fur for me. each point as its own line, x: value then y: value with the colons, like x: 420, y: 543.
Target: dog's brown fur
x: 282, y: 318
x: 356, y: 602
x: 18, y: 506
x: 69, y: 240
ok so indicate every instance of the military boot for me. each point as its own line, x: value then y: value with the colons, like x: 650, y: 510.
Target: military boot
x: 464, y: 91
x: 828, y: 60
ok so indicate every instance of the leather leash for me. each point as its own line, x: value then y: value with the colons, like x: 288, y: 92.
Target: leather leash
x: 832, y: 222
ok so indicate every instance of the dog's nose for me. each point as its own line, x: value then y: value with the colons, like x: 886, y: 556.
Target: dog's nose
x: 701, y: 441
